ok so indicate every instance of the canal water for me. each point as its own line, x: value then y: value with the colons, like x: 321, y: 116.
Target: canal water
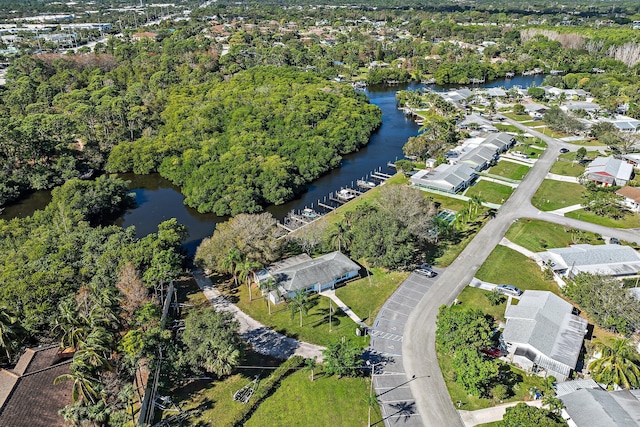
x: 158, y: 200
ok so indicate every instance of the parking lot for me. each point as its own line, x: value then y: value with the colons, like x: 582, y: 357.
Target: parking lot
x: 390, y: 381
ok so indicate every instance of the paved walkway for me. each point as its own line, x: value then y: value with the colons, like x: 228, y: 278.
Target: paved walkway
x: 264, y: 340
x: 331, y: 293
x: 490, y: 415
x: 513, y: 160
x: 524, y: 251
x: 563, y: 211
x: 563, y: 178
x: 498, y: 181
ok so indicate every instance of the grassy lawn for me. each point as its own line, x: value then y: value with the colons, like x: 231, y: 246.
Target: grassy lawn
x: 587, y: 143
x: 552, y: 195
x: 567, y: 168
x: 490, y: 191
x: 476, y: 298
x: 629, y: 221
x: 505, y: 265
x: 507, y: 128
x: 533, y: 153
x: 315, y: 325
x: 365, y: 298
x: 325, y: 402
x: 523, y: 382
x: 214, y: 399
x: 537, y: 235
x: 552, y: 133
x: 509, y: 170
x: 518, y: 117
x: 447, y: 202
x: 444, y: 253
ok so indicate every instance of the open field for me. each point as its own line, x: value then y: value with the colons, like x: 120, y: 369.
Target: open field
x: 507, y: 128
x: 325, y: 402
x: 537, y: 235
x: 552, y: 195
x: 509, y: 170
x: 366, y: 296
x: 476, y: 298
x: 505, y: 265
x: 490, y: 191
x: 629, y: 221
x: 567, y: 168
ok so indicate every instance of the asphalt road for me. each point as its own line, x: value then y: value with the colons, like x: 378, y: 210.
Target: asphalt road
x: 428, y: 389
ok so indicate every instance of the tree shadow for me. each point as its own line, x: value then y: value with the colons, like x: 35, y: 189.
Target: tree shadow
x: 402, y: 410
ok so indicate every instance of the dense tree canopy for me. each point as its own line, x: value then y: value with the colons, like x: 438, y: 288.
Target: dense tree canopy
x: 235, y: 146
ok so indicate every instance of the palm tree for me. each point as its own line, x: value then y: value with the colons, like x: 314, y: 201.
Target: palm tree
x: 9, y: 330
x: 441, y: 226
x: 339, y: 236
x: 245, y: 270
x: 476, y: 201
x: 84, y: 387
x: 555, y: 404
x: 268, y: 285
x: 230, y: 263
x: 618, y: 364
x: 299, y: 303
x: 226, y: 358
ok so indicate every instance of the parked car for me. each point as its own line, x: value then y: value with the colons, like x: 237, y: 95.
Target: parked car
x: 426, y: 272
x: 564, y: 150
x: 425, y: 266
x: 508, y: 290
x: 614, y: 241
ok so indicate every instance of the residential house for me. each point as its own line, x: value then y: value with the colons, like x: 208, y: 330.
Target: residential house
x: 477, y: 122
x: 144, y: 35
x: 596, y: 407
x: 535, y: 110
x: 479, y: 158
x: 589, y: 107
x: 543, y: 334
x: 28, y: 397
x: 609, y: 171
x: 632, y: 158
x: 631, y: 197
x: 495, y: 92
x: 308, y: 274
x: 626, y: 124
x: 445, y: 177
x: 605, y: 260
x: 501, y: 141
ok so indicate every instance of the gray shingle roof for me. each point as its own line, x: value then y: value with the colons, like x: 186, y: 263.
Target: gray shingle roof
x: 322, y: 270
x: 567, y: 387
x: 545, y: 321
x: 599, y: 408
x: 445, y: 177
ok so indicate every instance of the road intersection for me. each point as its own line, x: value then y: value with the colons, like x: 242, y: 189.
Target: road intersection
x: 415, y: 365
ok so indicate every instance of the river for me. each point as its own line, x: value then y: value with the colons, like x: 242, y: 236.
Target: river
x: 158, y: 200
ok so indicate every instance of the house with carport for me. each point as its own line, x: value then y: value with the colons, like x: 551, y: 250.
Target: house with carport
x: 604, y: 260
x: 609, y: 171
x: 445, y: 177
x: 307, y: 274
x: 631, y: 197
x: 543, y: 335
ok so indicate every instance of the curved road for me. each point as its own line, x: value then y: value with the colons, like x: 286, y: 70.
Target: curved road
x: 428, y: 388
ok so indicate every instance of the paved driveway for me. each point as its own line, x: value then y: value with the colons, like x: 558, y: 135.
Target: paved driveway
x: 391, y: 382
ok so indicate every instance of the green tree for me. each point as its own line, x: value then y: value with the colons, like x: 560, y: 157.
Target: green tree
x: 85, y: 388
x: 463, y: 328
x: 474, y: 372
x: 9, y: 331
x: 211, y: 341
x: 339, y: 236
x: 342, y: 358
x: 519, y: 108
x: 618, y: 363
x: 246, y: 272
x: 523, y: 415
x: 299, y: 303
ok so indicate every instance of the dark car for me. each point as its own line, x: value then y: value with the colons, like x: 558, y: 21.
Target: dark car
x: 564, y: 150
x: 508, y: 290
x: 614, y: 241
x: 493, y: 352
x: 426, y: 272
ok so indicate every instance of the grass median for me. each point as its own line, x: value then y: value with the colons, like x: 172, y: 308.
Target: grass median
x: 552, y: 195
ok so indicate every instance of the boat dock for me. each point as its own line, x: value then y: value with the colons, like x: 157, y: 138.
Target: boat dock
x: 298, y: 219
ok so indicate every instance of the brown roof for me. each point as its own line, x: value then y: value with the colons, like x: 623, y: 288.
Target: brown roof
x: 632, y: 193
x: 144, y: 34
x: 28, y: 397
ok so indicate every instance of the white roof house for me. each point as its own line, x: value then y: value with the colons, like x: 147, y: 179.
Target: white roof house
x: 481, y: 122
x: 626, y: 124
x: 605, y: 260
x: 479, y: 158
x: 542, y: 332
x: 445, y: 177
x: 609, y: 171
x: 581, y: 105
x: 595, y: 407
x: 310, y: 274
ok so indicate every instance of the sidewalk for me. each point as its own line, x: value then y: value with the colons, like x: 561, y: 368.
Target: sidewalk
x: 264, y: 340
x: 563, y: 211
x: 331, y: 293
x: 524, y: 251
x: 497, y: 181
x: 490, y: 415
x: 563, y: 178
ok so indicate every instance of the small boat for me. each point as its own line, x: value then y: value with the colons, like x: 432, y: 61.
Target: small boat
x: 345, y: 195
x: 309, y: 213
x: 365, y: 184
